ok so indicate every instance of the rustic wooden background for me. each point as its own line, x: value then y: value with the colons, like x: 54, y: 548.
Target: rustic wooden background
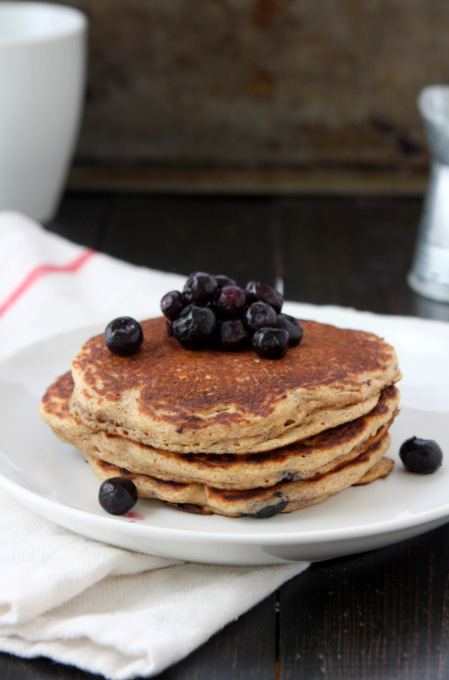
x: 253, y: 86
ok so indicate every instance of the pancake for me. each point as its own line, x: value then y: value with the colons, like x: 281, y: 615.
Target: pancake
x: 300, y: 460
x: 179, y: 400
x: 258, y: 502
x: 232, y: 433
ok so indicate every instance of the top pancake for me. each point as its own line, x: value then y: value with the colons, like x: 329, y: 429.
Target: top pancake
x: 216, y: 402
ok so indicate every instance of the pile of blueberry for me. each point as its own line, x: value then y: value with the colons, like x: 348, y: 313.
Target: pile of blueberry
x: 213, y: 311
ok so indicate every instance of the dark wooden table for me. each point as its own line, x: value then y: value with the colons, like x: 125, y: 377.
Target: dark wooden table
x: 382, y: 615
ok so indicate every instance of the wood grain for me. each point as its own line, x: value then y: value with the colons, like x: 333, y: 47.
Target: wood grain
x: 383, y: 614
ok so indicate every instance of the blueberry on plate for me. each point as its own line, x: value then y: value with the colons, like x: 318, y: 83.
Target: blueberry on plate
x: 271, y: 343
x: 123, y: 336
x: 117, y: 495
x: 423, y: 456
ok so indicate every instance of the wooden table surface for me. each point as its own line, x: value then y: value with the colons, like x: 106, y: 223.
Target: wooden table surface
x: 381, y: 615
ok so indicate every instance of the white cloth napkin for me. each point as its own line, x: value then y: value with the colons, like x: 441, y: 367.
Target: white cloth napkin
x: 100, y: 608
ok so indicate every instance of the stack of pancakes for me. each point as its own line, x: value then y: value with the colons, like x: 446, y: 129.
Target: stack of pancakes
x: 229, y: 432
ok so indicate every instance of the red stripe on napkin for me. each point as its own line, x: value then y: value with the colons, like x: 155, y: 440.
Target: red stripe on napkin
x: 43, y: 270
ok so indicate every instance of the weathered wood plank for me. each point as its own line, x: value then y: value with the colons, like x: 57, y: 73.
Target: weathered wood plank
x: 380, y: 615
x: 82, y: 218
x: 182, y: 234
x: 350, y: 251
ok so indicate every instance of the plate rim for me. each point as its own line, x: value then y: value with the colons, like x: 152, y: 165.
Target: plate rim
x: 272, y: 538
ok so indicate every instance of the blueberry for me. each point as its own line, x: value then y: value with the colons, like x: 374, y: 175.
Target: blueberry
x: 230, y: 301
x: 270, y: 510
x: 172, y: 304
x: 200, y: 288
x: 117, y: 495
x: 258, y: 315
x: 423, y: 456
x: 189, y: 507
x: 123, y: 336
x: 195, y: 327
x: 271, y: 343
x: 293, y: 328
x: 223, y: 280
x: 261, y: 291
x: 233, y: 336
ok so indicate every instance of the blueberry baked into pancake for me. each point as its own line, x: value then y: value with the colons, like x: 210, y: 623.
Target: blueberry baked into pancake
x: 227, y: 405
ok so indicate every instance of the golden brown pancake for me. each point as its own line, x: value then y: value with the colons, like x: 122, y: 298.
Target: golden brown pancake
x: 300, y: 460
x: 258, y: 502
x: 179, y: 400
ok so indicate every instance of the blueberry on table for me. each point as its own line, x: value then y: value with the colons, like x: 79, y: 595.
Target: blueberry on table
x: 271, y: 343
x: 423, y: 456
x: 117, y: 495
x: 123, y: 336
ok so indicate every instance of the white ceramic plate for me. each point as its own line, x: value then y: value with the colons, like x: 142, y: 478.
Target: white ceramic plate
x: 53, y: 480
